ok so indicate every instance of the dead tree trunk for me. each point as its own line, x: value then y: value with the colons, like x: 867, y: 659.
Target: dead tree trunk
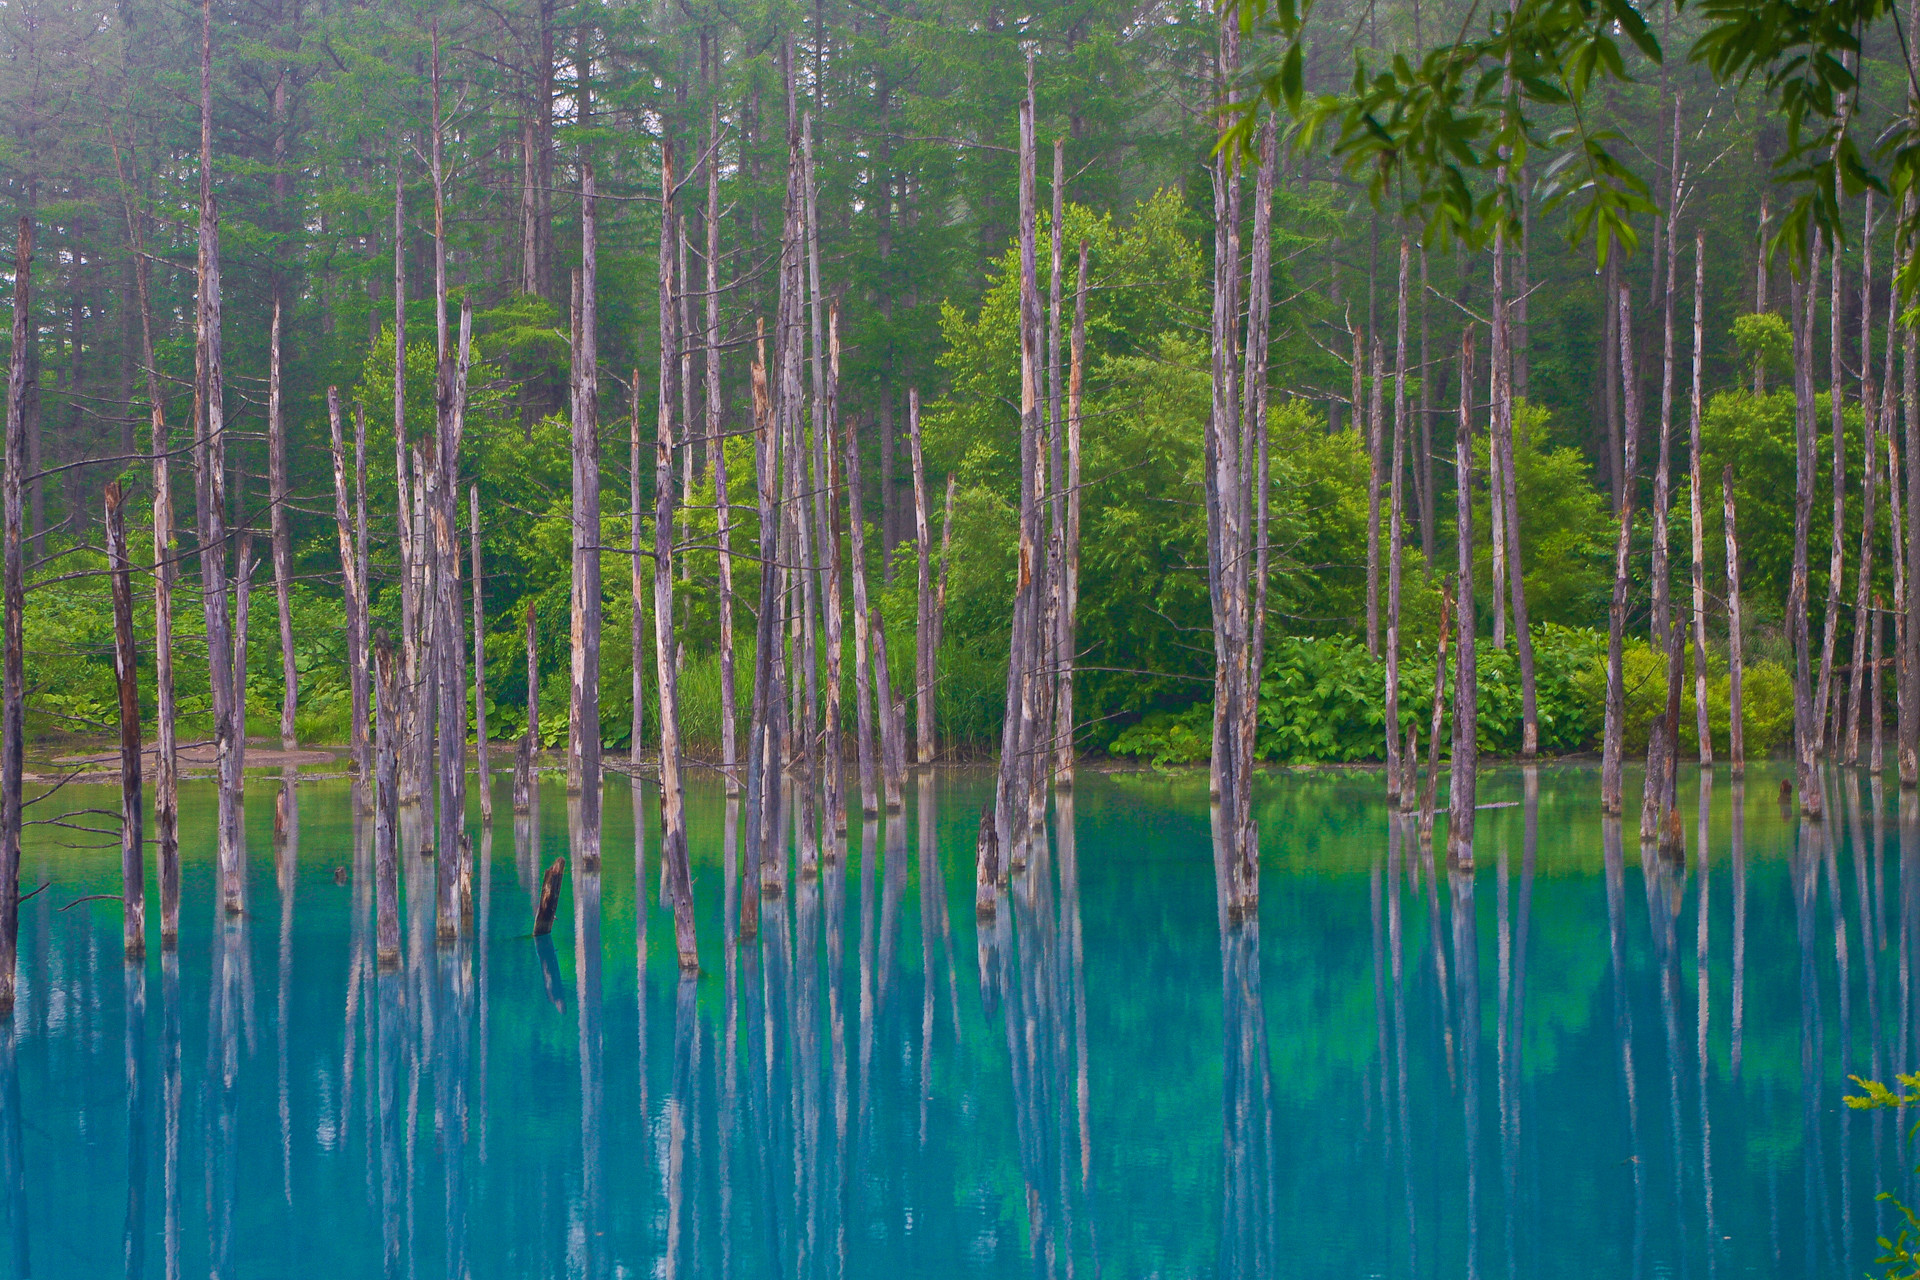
x: 1736, y: 667
x: 482, y: 771
x: 583, y: 750
x: 1466, y: 715
x: 386, y: 807
x: 1654, y: 786
x: 1896, y: 555
x: 455, y: 903
x: 867, y: 622
x: 1875, y: 757
x: 1254, y: 399
x: 1395, y: 543
x: 923, y: 593
x: 825, y: 540
x: 1696, y: 508
x: 673, y: 814
x: 1875, y: 419
x: 210, y: 458
x: 1438, y: 721
x: 1909, y: 552
x: 166, y: 772
x: 1506, y: 493
x: 13, y: 667
x: 407, y: 716
x: 1836, y: 559
x: 1070, y: 561
x: 277, y: 498
x: 637, y: 579
x: 353, y: 593
x: 1806, y: 729
x: 1612, y: 742
x: 1376, y: 443
x: 863, y: 690
x: 530, y: 741
x: 133, y: 872
x: 762, y: 762
x: 717, y: 449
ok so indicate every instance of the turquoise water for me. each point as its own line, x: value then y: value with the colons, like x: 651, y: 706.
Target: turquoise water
x: 1568, y: 1061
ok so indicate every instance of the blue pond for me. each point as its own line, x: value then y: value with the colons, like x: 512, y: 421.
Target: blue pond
x: 1573, y: 1059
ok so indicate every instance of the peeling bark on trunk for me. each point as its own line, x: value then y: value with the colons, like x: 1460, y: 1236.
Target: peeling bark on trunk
x: 1823, y: 729
x: 523, y: 781
x: 584, y: 706
x: 1438, y: 721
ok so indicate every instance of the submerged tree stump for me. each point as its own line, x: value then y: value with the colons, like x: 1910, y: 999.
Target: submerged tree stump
x: 549, y: 898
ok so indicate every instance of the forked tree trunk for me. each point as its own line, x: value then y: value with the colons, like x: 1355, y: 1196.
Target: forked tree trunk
x: 386, y: 806
x: 1396, y: 782
x: 133, y: 871
x: 1736, y: 665
x: 1613, y: 738
x: 1466, y: 716
x: 278, y: 498
x: 13, y: 667
x: 166, y: 772
x: 353, y: 591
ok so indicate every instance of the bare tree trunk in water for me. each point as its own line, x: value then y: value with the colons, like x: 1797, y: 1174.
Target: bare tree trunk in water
x: 1376, y: 442
x: 637, y: 579
x: 673, y: 815
x: 1897, y: 556
x: 826, y: 527
x: 1428, y: 796
x: 870, y: 675
x: 1396, y: 768
x: 13, y: 667
x: 583, y: 753
x: 482, y: 770
x: 210, y: 458
x: 1836, y: 560
x: 1653, y: 785
x: 1909, y: 624
x: 353, y: 591
x: 1466, y: 715
x: 277, y: 496
x: 717, y: 449
x: 1736, y: 667
x: 407, y: 715
x: 1070, y: 562
x: 1506, y: 495
x: 133, y: 871
x: 762, y: 768
x: 1612, y: 742
x: 1876, y: 417
x: 923, y: 592
x: 166, y: 772
x: 386, y: 808
x: 1696, y: 509
x: 1806, y: 732
x: 523, y: 782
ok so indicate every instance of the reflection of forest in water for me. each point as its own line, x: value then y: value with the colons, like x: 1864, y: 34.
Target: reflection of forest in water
x: 1570, y: 1050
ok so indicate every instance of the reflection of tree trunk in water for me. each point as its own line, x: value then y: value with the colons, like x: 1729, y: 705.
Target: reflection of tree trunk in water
x: 389, y: 1052
x: 1523, y: 925
x: 1664, y: 880
x: 1843, y: 1243
x: 807, y: 1072
x: 13, y: 1167
x: 1806, y: 889
x: 1466, y: 972
x: 1398, y: 834
x: 222, y: 1103
x: 1703, y: 1003
x: 1737, y: 838
x: 448, y: 1046
x: 1376, y: 1092
x: 728, y: 1131
x: 835, y: 1174
x: 170, y: 1102
x: 287, y: 872
x: 587, y: 1004
x: 932, y: 908
x: 1611, y: 838
x: 677, y: 1125
x: 134, y: 1037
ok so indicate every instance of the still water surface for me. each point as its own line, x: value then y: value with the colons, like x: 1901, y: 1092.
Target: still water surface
x: 1572, y: 1060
